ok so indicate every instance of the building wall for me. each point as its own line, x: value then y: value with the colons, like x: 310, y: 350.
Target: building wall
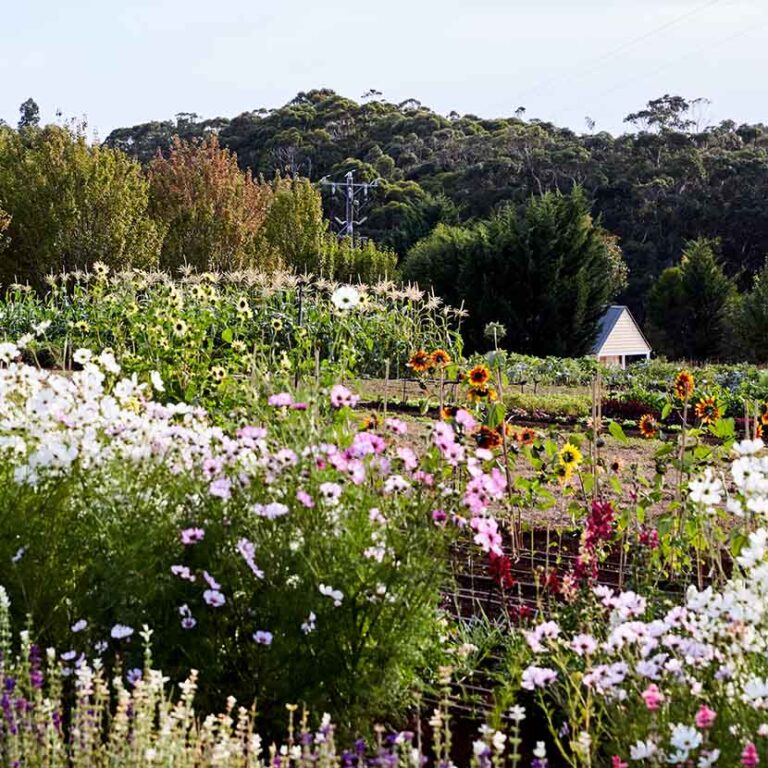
x: 624, y: 339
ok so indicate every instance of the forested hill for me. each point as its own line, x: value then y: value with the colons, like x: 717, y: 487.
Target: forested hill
x: 665, y: 182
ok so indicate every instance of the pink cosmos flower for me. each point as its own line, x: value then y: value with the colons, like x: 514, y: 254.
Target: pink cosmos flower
x: 465, y: 420
x: 304, y: 499
x: 341, y: 397
x: 192, y: 535
x: 221, y: 488
x: 214, y: 598
x: 652, y: 697
x: 395, y: 426
x: 487, y: 535
x: 705, y: 717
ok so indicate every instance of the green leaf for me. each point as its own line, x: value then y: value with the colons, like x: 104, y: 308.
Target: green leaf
x: 227, y: 335
x: 617, y: 432
x: 665, y: 411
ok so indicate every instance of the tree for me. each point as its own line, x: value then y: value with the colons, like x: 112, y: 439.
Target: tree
x: 688, y: 307
x: 29, y: 115
x: 213, y: 211
x: 545, y: 270
x: 751, y: 318
x: 294, y: 228
x: 71, y: 204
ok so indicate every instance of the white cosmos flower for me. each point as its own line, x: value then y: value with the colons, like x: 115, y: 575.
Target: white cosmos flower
x: 642, y: 750
x: 345, y: 297
x: 157, y: 381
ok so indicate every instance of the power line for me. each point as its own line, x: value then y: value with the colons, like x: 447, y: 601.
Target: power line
x: 593, y: 64
x: 666, y: 65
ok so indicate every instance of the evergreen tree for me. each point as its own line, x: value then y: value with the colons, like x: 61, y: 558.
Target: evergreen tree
x: 689, y: 306
x: 752, y: 319
x: 29, y: 115
x: 546, y: 271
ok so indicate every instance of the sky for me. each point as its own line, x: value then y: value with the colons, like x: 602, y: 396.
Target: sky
x: 120, y: 63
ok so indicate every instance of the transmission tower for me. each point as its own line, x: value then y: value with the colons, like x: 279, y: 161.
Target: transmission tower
x: 355, y: 195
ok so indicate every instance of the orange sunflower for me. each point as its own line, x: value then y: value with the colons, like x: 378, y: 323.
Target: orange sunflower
x: 707, y: 410
x: 648, y: 426
x: 764, y: 413
x: 369, y: 423
x: 526, y: 436
x: 476, y: 394
x: 478, y: 376
x: 488, y: 438
x: 420, y: 361
x: 758, y: 431
x: 440, y: 358
x: 448, y: 412
x: 684, y: 385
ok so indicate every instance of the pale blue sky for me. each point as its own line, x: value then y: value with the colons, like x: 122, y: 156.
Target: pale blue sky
x: 122, y: 63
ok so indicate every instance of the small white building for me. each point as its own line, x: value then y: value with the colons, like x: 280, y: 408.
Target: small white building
x: 619, y: 339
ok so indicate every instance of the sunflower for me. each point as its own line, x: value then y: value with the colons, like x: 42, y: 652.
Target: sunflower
x: 243, y: 305
x: 478, y: 376
x: 440, y: 358
x: 648, y: 426
x: 238, y: 346
x: 758, y: 431
x: 277, y: 324
x: 764, y: 413
x: 369, y: 423
x: 218, y: 373
x: 487, y: 438
x: 82, y: 326
x: 447, y: 412
x: 707, y: 410
x: 570, y: 456
x: 180, y: 329
x: 476, y: 394
x: 526, y: 436
x: 420, y: 361
x: 563, y: 473
x: 684, y: 385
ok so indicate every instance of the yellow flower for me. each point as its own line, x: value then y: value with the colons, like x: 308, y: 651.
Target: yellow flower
x: 570, y: 456
x: 180, y: 329
x: 478, y: 376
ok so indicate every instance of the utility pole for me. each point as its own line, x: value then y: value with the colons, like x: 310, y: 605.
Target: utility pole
x: 355, y: 196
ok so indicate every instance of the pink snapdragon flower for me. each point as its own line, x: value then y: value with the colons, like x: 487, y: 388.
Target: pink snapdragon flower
x: 749, y: 757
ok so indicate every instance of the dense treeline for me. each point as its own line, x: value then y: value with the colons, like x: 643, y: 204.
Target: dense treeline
x: 66, y: 203
x: 656, y: 188
x: 521, y: 221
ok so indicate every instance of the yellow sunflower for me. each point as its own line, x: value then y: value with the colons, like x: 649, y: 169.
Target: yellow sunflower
x: 570, y: 456
x: 478, y: 376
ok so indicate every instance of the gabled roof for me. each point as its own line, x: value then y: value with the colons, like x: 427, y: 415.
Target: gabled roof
x: 608, y: 323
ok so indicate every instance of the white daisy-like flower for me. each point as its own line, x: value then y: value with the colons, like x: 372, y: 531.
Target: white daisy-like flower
x: 346, y: 297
